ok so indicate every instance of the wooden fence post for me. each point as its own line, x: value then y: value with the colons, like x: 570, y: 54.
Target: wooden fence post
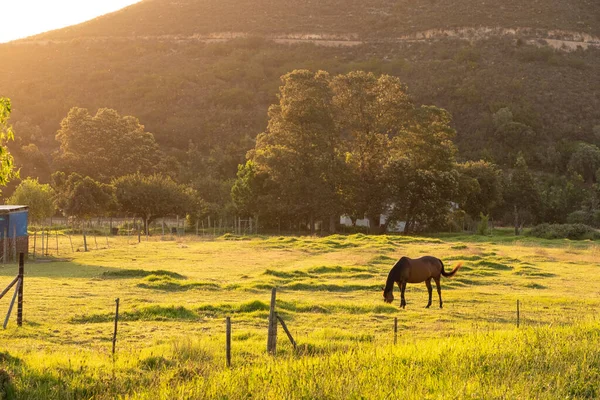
x: 228, y: 340
x: 56, y: 243
x: 34, y: 240
x: 395, y: 330
x: 114, y: 341
x: 20, y: 296
x: 518, y: 314
x: 12, y: 303
x: 272, y: 336
x: 84, y: 241
x: 287, y: 332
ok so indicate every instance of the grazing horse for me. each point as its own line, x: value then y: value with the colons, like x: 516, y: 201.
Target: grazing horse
x: 417, y: 270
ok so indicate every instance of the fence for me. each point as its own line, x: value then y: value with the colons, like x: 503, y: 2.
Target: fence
x: 62, y: 239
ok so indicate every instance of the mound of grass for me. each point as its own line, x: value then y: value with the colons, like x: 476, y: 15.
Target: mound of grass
x: 230, y: 236
x: 140, y: 273
x: 382, y: 260
x: 494, y: 265
x: 150, y: 313
x: 168, y: 284
x: 327, y: 287
x: 285, y: 274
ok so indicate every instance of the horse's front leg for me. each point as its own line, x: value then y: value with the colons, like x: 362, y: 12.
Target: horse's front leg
x: 402, y: 289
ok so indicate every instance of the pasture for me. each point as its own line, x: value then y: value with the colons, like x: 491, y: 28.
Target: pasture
x: 175, y: 295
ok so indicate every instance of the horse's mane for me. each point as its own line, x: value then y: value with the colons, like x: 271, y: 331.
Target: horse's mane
x: 400, y: 264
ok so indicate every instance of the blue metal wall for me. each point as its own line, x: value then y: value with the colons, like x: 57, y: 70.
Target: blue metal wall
x: 16, y: 220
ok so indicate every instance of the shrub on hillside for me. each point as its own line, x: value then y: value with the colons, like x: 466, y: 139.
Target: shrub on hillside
x: 565, y: 231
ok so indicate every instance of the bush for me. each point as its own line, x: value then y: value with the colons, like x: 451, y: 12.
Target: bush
x: 578, y: 217
x: 482, y: 227
x: 591, y: 218
x: 564, y: 231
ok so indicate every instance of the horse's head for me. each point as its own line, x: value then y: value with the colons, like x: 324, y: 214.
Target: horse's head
x: 388, y: 297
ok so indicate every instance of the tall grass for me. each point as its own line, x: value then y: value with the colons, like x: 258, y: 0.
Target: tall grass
x: 541, y: 363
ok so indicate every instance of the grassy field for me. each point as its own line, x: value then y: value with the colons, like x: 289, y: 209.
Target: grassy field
x: 175, y: 295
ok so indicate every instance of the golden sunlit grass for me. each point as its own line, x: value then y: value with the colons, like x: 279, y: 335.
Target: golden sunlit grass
x: 175, y: 294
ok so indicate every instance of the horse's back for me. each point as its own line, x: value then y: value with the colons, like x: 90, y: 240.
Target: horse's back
x: 423, y: 268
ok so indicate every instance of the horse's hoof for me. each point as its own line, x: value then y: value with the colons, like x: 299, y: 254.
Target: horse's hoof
x: 441, y: 306
x: 428, y: 305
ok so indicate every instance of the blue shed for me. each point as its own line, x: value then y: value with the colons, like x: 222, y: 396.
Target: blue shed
x: 13, y: 230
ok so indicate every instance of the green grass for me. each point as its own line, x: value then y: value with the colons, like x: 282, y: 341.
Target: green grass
x: 175, y: 295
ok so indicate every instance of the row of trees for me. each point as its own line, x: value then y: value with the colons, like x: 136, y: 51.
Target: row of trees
x: 148, y: 197
x: 356, y: 144
x: 352, y: 144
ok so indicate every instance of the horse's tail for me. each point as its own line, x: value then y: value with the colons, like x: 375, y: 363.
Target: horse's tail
x: 451, y: 273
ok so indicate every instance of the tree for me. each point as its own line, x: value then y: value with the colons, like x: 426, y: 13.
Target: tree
x: 423, y: 178
x: 82, y: 197
x: 369, y: 111
x: 38, y: 197
x: 480, y: 187
x: 154, y: 196
x: 6, y: 133
x: 299, y: 150
x: 105, y: 146
x: 585, y: 161
x: 521, y: 193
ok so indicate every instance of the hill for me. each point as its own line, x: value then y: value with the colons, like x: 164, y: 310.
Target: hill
x: 374, y: 19
x: 205, y: 72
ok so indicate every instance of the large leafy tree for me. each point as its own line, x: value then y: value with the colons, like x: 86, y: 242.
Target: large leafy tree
x: 369, y: 112
x: 522, y: 194
x: 299, y: 149
x: 480, y: 187
x: 82, y: 197
x: 106, y: 145
x: 6, y: 133
x: 423, y: 177
x: 154, y: 196
x: 585, y: 161
x: 38, y: 197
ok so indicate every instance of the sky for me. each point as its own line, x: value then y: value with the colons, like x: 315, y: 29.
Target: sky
x: 21, y: 18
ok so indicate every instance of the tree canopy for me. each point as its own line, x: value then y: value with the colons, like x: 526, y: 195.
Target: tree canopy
x: 38, y: 197
x: 82, y: 197
x: 154, y: 196
x: 6, y: 133
x: 105, y: 146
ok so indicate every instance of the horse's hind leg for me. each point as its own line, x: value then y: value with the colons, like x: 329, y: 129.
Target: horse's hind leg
x: 402, y: 289
x: 439, y: 289
x: 430, y: 290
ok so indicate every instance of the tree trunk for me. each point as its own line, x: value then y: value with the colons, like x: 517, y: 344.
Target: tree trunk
x: 332, y: 224
x: 84, y: 239
x: 374, y: 224
x: 312, y: 224
x: 516, y: 221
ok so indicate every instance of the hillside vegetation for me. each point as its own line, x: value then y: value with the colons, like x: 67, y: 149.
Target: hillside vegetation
x: 375, y: 19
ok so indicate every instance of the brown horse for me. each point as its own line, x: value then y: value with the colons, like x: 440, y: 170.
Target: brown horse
x: 417, y: 270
